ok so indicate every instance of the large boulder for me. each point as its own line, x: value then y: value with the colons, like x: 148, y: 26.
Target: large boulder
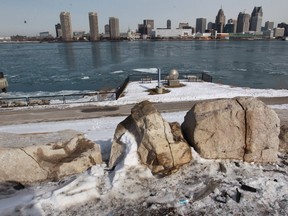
x: 160, y: 145
x: 38, y: 157
x: 240, y: 128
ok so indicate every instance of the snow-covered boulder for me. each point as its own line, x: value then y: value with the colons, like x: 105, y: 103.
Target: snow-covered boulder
x: 38, y: 157
x: 240, y: 128
x: 160, y: 145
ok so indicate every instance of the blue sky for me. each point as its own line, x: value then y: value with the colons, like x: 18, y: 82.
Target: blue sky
x: 42, y: 15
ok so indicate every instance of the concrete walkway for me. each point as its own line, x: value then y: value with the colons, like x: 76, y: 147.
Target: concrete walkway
x: 34, y: 115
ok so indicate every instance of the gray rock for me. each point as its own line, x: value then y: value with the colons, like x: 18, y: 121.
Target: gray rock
x: 38, y: 157
x: 240, y: 128
x: 160, y: 145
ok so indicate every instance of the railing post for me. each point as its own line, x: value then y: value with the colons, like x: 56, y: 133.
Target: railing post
x: 64, y: 100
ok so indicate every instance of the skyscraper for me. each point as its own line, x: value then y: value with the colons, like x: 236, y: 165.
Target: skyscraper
x: 243, y: 22
x: 269, y: 25
x: 220, y: 21
x: 114, y: 28
x: 93, y: 23
x: 58, y: 30
x: 65, y: 20
x: 200, y: 25
x: 107, y: 29
x: 148, y: 26
x: 168, y: 24
x: 256, y: 19
x: 231, y: 26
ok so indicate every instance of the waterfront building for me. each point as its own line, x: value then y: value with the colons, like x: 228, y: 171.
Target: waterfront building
x: 146, y: 28
x: 268, y: 34
x: 168, y: 24
x: 106, y: 29
x: 279, y: 32
x: 243, y: 22
x: 220, y: 21
x: 285, y: 26
x: 210, y: 26
x: 172, y: 33
x: 58, y: 30
x: 201, y: 25
x: 93, y: 24
x: 44, y: 35
x: 269, y: 25
x: 256, y: 19
x: 66, y: 26
x: 231, y: 26
x: 114, y: 28
x: 183, y: 25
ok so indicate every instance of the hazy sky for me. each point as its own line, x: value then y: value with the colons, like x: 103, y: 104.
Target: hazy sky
x: 42, y: 15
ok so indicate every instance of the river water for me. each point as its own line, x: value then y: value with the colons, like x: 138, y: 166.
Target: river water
x: 81, y: 66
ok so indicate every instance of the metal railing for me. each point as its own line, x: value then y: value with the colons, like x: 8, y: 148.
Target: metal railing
x: 57, y: 99
x: 92, y: 96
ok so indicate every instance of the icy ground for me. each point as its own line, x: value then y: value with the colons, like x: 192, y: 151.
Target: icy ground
x: 202, y: 187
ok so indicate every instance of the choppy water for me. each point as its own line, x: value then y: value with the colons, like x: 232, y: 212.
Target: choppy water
x: 84, y: 66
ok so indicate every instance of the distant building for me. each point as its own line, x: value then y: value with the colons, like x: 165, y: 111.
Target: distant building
x: 44, y: 34
x: 114, y: 28
x: 146, y: 28
x: 210, y: 26
x: 168, y: 24
x: 93, y: 24
x: 172, y: 33
x: 269, y: 25
x: 256, y: 19
x: 279, y: 32
x: 107, y: 29
x: 201, y: 25
x: 220, y: 21
x: 66, y: 27
x: 243, y: 22
x: 285, y: 26
x: 183, y: 25
x: 231, y: 26
x: 58, y: 30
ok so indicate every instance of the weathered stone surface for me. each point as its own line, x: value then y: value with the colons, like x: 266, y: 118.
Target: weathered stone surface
x: 48, y: 156
x: 262, y: 131
x: 160, y: 145
x: 216, y: 129
x: 283, y: 145
x: 240, y: 128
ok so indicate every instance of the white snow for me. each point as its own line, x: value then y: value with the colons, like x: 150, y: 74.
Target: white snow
x: 132, y: 189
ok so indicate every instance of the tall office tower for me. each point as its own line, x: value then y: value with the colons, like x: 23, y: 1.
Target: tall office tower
x: 269, y: 25
x: 220, y: 21
x: 65, y: 20
x: 231, y: 26
x: 200, y: 25
x: 148, y: 26
x: 58, y: 30
x: 168, y: 24
x: 210, y: 26
x: 114, y: 28
x: 107, y: 29
x: 256, y: 19
x: 93, y: 23
x: 243, y: 22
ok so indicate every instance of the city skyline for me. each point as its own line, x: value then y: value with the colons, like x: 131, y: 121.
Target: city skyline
x: 34, y: 17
